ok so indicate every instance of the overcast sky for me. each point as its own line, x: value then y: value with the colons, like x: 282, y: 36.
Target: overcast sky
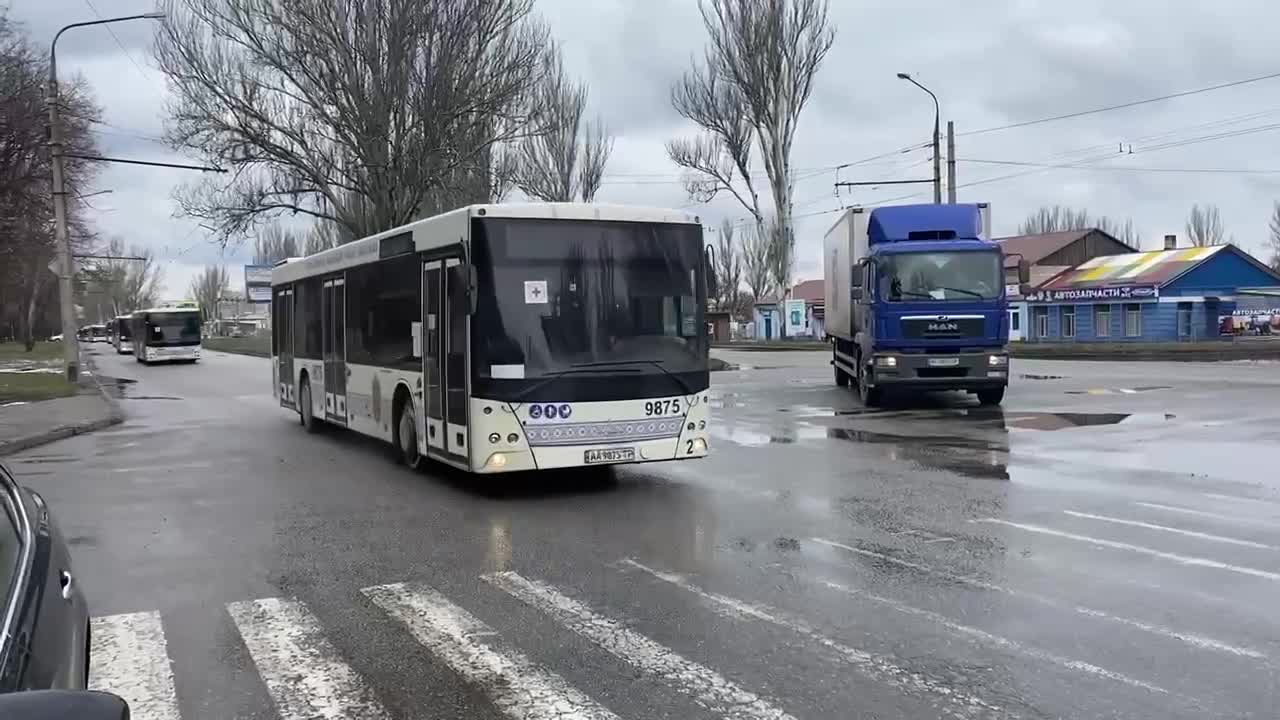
x: 990, y: 63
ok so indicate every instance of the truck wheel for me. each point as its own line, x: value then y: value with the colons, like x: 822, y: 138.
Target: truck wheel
x: 991, y: 397
x: 870, y: 396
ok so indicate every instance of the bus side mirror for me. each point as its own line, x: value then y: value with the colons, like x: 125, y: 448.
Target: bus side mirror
x: 473, y: 289
x: 713, y: 283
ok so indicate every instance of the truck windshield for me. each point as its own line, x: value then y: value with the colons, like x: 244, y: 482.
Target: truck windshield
x: 946, y: 276
x: 590, y: 298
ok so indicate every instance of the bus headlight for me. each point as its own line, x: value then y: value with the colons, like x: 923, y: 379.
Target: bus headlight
x: 494, y: 438
x: 496, y: 461
x: 699, y: 445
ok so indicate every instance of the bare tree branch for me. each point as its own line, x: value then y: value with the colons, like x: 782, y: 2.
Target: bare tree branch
x: 1057, y: 218
x: 1204, y: 226
x: 757, y: 272
x: 365, y: 113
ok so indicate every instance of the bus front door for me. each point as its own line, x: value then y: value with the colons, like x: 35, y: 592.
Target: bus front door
x: 333, y: 308
x: 444, y: 359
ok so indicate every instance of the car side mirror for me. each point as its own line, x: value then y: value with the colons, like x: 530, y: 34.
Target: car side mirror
x: 855, y: 294
x: 63, y: 705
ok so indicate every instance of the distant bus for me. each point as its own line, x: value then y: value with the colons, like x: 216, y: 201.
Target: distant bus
x: 505, y: 337
x: 122, y: 334
x: 166, y: 334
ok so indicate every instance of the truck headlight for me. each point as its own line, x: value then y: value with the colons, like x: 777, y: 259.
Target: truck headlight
x: 886, y: 361
x: 997, y: 360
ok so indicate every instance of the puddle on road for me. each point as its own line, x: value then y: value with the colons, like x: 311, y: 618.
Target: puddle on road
x: 1068, y: 420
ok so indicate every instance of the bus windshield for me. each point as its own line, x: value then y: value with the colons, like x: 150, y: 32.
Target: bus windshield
x: 587, y: 297
x: 173, y: 328
x: 123, y: 331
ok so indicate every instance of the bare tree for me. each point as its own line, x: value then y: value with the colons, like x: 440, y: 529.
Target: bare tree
x: 324, y: 235
x: 365, y: 113
x: 1273, y: 237
x: 275, y: 243
x: 757, y: 272
x: 209, y: 287
x: 1057, y: 218
x: 26, y: 211
x: 728, y: 266
x: 126, y: 285
x: 1204, y: 226
x: 756, y: 78
x: 565, y: 159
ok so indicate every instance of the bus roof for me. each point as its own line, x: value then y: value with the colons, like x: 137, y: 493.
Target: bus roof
x: 165, y: 310
x: 449, y: 228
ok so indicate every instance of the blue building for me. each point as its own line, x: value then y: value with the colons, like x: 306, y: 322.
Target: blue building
x: 1163, y: 296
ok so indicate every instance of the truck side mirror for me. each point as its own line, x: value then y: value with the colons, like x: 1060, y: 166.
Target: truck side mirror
x: 855, y: 294
x: 1024, y: 289
x: 1024, y: 272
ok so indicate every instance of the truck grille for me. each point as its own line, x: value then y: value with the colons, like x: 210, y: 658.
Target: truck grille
x: 941, y: 327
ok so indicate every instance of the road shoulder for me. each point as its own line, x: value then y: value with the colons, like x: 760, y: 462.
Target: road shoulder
x: 31, y: 424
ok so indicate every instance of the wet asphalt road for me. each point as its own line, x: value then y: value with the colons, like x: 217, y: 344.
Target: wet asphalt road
x: 1105, y: 545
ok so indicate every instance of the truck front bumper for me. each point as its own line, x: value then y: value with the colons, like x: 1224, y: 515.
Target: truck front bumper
x: 958, y: 371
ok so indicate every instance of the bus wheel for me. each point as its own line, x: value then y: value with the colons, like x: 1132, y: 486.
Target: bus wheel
x: 309, y: 421
x: 407, y: 437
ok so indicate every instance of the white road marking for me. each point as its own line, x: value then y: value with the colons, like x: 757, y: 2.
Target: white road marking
x: 957, y: 703
x: 1179, y: 531
x: 1173, y: 557
x: 519, y: 687
x: 1240, y: 499
x: 997, y: 640
x: 162, y: 467
x: 304, y: 673
x: 1200, y: 641
x: 128, y: 656
x: 706, y: 687
x: 1187, y: 511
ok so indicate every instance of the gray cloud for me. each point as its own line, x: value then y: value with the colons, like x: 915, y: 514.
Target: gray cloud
x: 990, y: 63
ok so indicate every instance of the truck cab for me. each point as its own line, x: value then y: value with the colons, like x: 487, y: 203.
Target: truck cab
x: 923, y: 307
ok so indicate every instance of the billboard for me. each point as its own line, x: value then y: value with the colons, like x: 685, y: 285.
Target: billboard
x: 257, y: 283
x: 796, y: 320
x: 1088, y: 294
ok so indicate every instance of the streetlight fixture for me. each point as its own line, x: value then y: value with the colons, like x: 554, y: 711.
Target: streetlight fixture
x: 66, y: 295
x: 937, y: 137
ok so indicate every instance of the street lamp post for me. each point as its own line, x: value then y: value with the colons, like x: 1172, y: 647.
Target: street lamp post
x: 937, y: 138
x: 66, y: 268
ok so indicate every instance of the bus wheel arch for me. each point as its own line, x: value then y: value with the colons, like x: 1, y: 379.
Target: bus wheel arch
x: 404, y: 427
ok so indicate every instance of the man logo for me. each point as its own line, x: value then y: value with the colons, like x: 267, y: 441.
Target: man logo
x: 944, y: 327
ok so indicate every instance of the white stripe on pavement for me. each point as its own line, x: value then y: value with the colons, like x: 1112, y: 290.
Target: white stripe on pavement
x: 304, y: 673
x: 1201, y: 641
x: 997, y: 640
x: 1165, y: 528
x: 1174, y: 557
x: 519, y: 687
x: 1187, y: 511
x: 958, y: 704
x: 128, y: 656
x: 706, y: 687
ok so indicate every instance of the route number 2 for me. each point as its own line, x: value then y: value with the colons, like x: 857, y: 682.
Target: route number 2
x: 662, y: 407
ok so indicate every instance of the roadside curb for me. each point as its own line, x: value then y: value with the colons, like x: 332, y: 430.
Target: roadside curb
x: 115, y: 415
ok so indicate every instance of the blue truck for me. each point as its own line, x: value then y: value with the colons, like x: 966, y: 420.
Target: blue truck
x: 916, y: 301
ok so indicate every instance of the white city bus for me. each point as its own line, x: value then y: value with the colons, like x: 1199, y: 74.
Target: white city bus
x: 505, y: 337
x: 167, y: 334
x: 122, y: 334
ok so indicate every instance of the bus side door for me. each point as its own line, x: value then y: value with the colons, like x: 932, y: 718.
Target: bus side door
x: 282, y: 330
x: 445, y: 360
x: 333, y: 309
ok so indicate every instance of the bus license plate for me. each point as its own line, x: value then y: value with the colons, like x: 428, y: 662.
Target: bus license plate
x: 608, y: 455
x: 944, y: 362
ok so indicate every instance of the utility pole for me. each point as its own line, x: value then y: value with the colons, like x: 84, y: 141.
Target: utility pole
x: 937, y: 138
x: 951, y: 162
x: 66, y: 264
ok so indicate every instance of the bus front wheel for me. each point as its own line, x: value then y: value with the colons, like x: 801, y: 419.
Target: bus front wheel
x: 407, y: 436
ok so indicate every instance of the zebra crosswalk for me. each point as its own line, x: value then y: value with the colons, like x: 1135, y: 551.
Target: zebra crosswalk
x: 306, y: 676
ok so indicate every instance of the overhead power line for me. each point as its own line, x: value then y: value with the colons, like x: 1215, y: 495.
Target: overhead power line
x: 1121, y: 106
x: 1117, y: 168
